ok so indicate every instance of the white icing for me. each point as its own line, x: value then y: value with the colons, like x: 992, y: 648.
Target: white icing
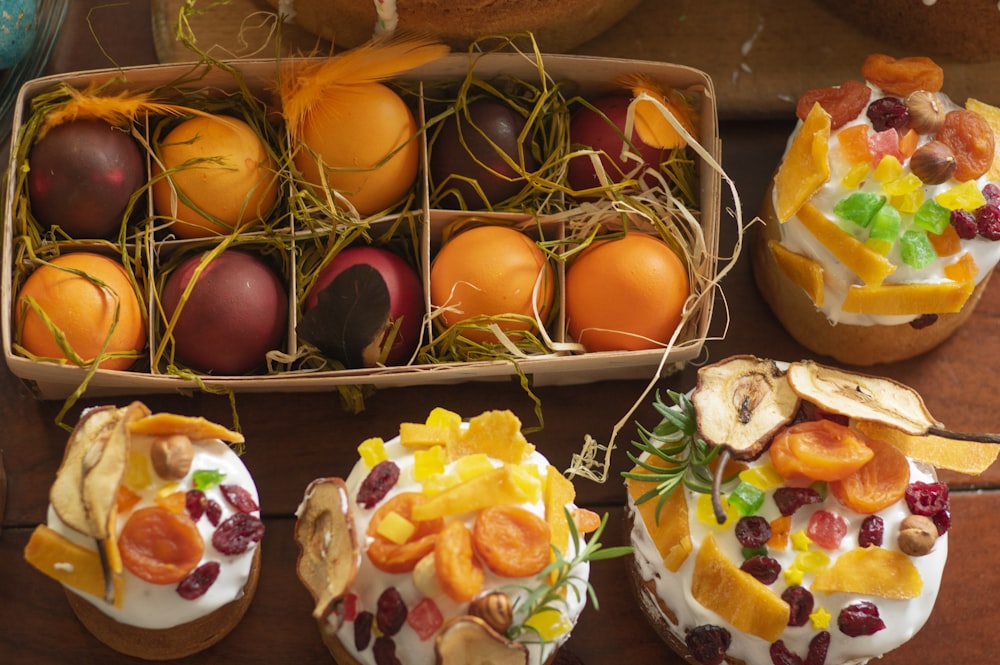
x: 371, y: 582
x: 837, y: 277
x: 903, y: 618
x: 156, y: 606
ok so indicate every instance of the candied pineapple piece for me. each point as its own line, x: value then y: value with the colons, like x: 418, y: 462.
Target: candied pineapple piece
x: 872, y: 571
x: 422, y: 435
x: 802, y: 270
x: 869, y: 265
x: 428, y: 462
x: 496, y: 433
x: 737, y: 597
x: 667, y: 524
x: 473, y: 465
x: 806, y: 165
x: 992, y: 116
x: 968, y: 457
x: 493, y: 488
x: 395, y: 528
x: 68, y: 563
x: 909, y: 299
x: 372, y: 451
x: 528, y: 479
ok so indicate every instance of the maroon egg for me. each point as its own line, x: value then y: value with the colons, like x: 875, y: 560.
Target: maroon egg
x: 236, y: 312
x: 464, y: 145
x: 588, y: 129
x: 81, y: 176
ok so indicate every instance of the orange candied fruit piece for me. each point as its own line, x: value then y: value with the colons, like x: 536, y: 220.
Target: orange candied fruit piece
x: 853, y: 142
x: 819, y: 450
x: 878, y: 484
x: 962, y: 270
x: 947, y: 242
x: 393, y: 557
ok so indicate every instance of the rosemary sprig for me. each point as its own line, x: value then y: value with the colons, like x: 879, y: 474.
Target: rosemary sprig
x: 684, y: 457
x: 550, y: 597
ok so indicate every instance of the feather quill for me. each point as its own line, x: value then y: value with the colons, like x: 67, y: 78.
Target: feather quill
x: 119, y: 110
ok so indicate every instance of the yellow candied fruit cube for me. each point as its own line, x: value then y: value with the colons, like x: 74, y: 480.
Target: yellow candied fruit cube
x: 550, y: 624
x: 820, y: 619
x: 855, y: 175
x: 812, y: 561
x: 907, y: 202
x: 166, y: 490
x: 889, y: 168
x: 706, y: 514
x: 428, y: 462
x: 137, y: 475
x: 395, y: 527
x: 966, y: 196
x: 441, y: 417
x: 878, y: 245
x: 801, y: 541
x: 763, y: 477
x: 903, y: 184
x: 372, y: 451
x: 422, y: 435
x: 439, y: 483
x: 528, y: 478
x: 473, y: 465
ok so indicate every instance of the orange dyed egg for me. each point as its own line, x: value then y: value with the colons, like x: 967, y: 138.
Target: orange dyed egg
x: 625, y: 294
x: 491, y: 271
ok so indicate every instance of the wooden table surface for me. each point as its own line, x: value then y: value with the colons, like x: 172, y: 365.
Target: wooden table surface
x: 294, y: 438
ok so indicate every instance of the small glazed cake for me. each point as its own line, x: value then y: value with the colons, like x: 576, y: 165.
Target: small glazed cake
x: 153, y: 529
x: 881, y: 225
x: 452, y: 543
x: 827, y: 539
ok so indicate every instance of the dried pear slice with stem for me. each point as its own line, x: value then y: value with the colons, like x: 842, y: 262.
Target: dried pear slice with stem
x: 329, y: 555
x: 468, y: 640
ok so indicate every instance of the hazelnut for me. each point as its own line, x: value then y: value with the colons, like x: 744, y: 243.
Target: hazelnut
x: 917, y: 535
x: 172, y: 456
x: 495, y: 609
x: 926, y: 111
x: 933, y: 163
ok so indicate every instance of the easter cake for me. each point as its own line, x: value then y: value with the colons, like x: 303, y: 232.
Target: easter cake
x: 881, y: 224
x: 153, y: 529
x: 790, y: 513
x: 455, y: 542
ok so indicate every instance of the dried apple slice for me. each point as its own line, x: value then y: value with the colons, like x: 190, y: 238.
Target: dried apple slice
x: 741, y: 402
x: 468, y: 640
x: 802, y: 270
x: 867, y: 264
x: 805, y: 167
x: 329, y: 555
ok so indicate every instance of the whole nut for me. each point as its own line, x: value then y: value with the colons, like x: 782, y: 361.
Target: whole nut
x: 172, y: 456
x: 933, y: 163
x: 495, y: 609
x: 917, y: 535
x: 926, y: 111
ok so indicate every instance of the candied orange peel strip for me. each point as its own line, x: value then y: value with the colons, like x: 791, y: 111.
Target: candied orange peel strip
x: 805, y: 167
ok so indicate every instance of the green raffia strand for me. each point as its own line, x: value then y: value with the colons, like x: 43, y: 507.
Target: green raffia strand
x: 551, y: 596
x: 674, y: 440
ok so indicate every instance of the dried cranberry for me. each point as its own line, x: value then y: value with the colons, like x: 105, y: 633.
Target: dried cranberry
x: 790, y: 499
x: 818, y: 647
x: 860, y: 619
x: 391, y: 613
x: 377, y: 484
x: 888, y: 113
x: 800, y: 604
x: 195, y: 502
x: 964, y: 223
x: 384, y: 651
x: 781, y: 655
x: 363, y: 630
x: 763, y: 568
x: 988, y: 222
x: 198, y: 581
x: 924, y: 321
x: 239, y: 498
x: 826, y: 528
x: 213, y: 511
x: 926, y: 498
x: 942, y: 521
x: 708, y: 644
x: 991, y: 192
x: 872, y: 531
x: 753, y: 531
x: 236, y: 533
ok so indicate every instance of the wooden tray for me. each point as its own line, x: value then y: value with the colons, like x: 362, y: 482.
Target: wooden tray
x: 761, y: 54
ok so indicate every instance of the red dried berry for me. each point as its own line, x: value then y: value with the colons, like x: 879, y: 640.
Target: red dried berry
x: 384, y: 651
x: 195, y: 502
x: 391, y: 613
x: 927, y: 499
x: 964, y: 223
x: 708, y: 644
x: 991, y: 192
x: 763, y: 568
x: 377, y: 484
x: 871, y: 532
x: 888, y: 113
x: 826, y: 529
x: 988, y: 222
x: 213, y: 510
x: 924, y: 321
x: 818, y: 648
x: 363, y: 630
x: 800, y: 604
x: 859, y: 619
x: 237, y: 532
x: 781, y: 655
x: 239, y: 498
x: 942, y: 521
x: 790, y: 499
x: 753, y: 531
x: 198, y: 581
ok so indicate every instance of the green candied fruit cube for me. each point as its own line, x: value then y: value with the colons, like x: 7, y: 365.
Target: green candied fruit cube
x: 932, y: 216
x: 859, y: 207
x: 885, y: 224
x: 749, y: 552
x: 916, y: 249
x: 746, y: 498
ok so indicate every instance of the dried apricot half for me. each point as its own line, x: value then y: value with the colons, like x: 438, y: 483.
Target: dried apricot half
x: 393, y: 557
x: 819, y: 450
x: 160, y: 546
x: 459, y: 571
x: 878, y: 484
x: 512, y: 541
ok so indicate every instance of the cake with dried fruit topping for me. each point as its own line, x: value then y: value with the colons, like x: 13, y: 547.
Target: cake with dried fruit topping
x: 786, y: 514
x: 881, y: 225
x: 453, y: 543
x: 153, y: 528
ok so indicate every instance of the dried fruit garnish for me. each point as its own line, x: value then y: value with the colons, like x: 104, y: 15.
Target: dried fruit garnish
x: 818, y: 647
x: 861, y: 618
x: 790, y: 499
x: 390, y: 614
x: 377, y: 483
x: 782, y: 655
x: 363, y: 630
x: 239, y: 498
x: 871, y: 532
x: 199, y: 580
x: 763, y: 568
x: 708, y: 644
x: 237, y: 532
x: 753, y: 531
x: 800, y: 604
x: 927, y: 498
